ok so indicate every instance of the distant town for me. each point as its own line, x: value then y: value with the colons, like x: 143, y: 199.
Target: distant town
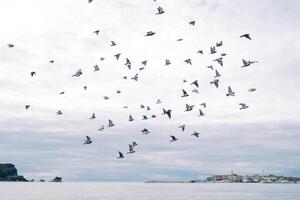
x: 236, y: 178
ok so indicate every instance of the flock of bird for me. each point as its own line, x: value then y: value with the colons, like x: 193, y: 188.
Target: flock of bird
x: 168, y: 112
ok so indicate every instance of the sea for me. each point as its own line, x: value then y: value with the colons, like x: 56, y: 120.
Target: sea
x: 148, y: 191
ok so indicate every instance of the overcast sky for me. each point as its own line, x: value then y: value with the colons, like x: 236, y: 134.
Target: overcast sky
x: 266, y: 136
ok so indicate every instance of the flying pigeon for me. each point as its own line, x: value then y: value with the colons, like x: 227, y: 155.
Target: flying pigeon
x: 200, y: 113
x: 96, y: 68
x: 243, y: 106
x: 59, y: 112
x: 10, y: 45
x: 189, y: 107
x: 246, y: 36
x: 220, y: 61
x: 195, y: 83
x: 51, y: 61
x: 167, y: 112
x: 215, y: 82
x: 130, y: 118
x: 185, y: 94
x: 200, y: 51
x: 105, y: 97
x: 192, y: 23
x: 167, y: 62
x: 120, y: 155
x: 223, y: 54
x: 230, y: 92
x: 203, y: 104
x: 195, y: 90
x: 145, y: 131
x: 182, y: 127
x: 148, y: 108
x: 32, y: 74
x: 128, y: 63
x: 78, y: 73
x: 184, y: 81
x: 136, y: 77
x: 188, y: 61
x: 134, y: 144
x: 218, y: 44
x: 130, y: 149
x: 210, y: 67
x: 96, y: 32
x: 213, y: 50
x: 160, y: 11
x: 118, y: 91
x: 90, y: 1
x: 144, y: 62
x: 153, y: 116
x: 158, y: 101
x: 173, y: 138
x: 110, y: 123
x: 85, y: 87
x: 247, y: 63
x: 144, y: 117
x: 150, y: 33
x: 179, y: 39
x: 88, y: 140
x: 217, y: 74
x: 93, y: 116
x: 251, y: 89
x: 101, y: 128
x: 117, y: 56
x: 113, y: 43
x: 27, y: 106
x: 196, y: 134
x: 102, y: 58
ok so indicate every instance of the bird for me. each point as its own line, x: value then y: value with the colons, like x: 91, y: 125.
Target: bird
x: 247, y: 63
x: 142, y: 106
x: 247, y: 35
x: 195, y: 83
x: 218, y: 44
x: 179, y: 39
x: 102, y: 58
x: 85, y: 87
x: 93, y: 116
x: 113, y: 43
x: 188, y: 107
x: 96, y: 32
x: 101, y: 128
x: 192, y: 23
x: 148, y: 108
x: 135, y: 77
x: 219, y: 60
x: 118, y: 91
x: 160, y: 11
x: 117, y: 56
x: 145, y: 131
x: 223, y: 54
x: 144, y: 62
x: 110, y: 123
x: 141, y: 68
x: 173, y: 138
x: 10, y: 45
x: 230, y: 92
x: 195, y: 90
x: 217, y: 74
x: 134, y: 143
x: 215, y: 82
x: 167, y: 112
x: 59, y: 112
x: 184, y: 80
x: 213, y: 50
x: 158, y: 101
x: 153, y: 116
x: 200, y: 51
x: 203, y: 104
x: 185, y: 94
x: 196, y: 134
x: 87, y: 140
x: 130, y: 149
x: 125, y: 107
x: 32, y: 74
x: 182, y: 127
x: 167, y: 62
x: 210, y: 67
x: 128, y: 63
x: 51, y: 61
x: 90, y: 1
x: 105, y: 97
x: 150, y: 33
x: 96, y: 68
x: 27, y: 106
x: 251, y: 89
x: 120, y: 155
x: 144, y: 117
x: 130, y: 118
x: 243, y: 106
x: 200, y: 113
x: 78, y: 73
x: 188, y: 61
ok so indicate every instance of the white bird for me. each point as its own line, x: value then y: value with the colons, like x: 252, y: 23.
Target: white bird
x: 230, y: 92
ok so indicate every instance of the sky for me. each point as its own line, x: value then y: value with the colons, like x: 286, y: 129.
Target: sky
x: 264, y: 137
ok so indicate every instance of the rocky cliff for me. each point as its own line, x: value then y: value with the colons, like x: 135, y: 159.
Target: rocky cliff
x: 8, y: 172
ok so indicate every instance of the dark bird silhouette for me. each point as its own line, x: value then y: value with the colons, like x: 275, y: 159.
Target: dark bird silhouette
x: 101, y: 128
x: 134, y: 144
x: 210, y: 67
x: 135, y: 77
x: 85, y: 87
x: 215, y: 82
x: 27, y: 106
x: 145, y: 131
x: 117, y: 56
x: 130, y: 118
x: 105, y: 97
x: 96, y: 32
x: 10, y: 45
x: 144, y: 117
x: 188, y: 61
x: 59, y: 112
x: 113, y: 43
x: 153, y: 116
x: 167, y: 62
x: 179, y: 39
x: 243, y: 106
x: 158, y: 101
x: 182, y: 127
x: 110, y: 123
x: 90, y: 1
x: 192, y: 23
x: 218, y: 44
x: 185, y: 94
x: 173, y: 138
x: 201, y: 113
x: 96, y: 68
x: 120, y: 155
x: 32, y: 74
x: 219, y: 60
x: 150, y: 33
x: 217, y: 74
x: 195, y: 83
x: 130, y: 149
x: 160, y: 11
x: 213, y: 50
x: 188, y: 107
x: 51, y: 61
x: 87, y: 140
x: 251, y: 89
x: 247, y: 35
x: 196, y: 134
x: 195, y: 90
x: 247, y: 63
x: 144, y: 62
x: 167, y: 112
x: 230, y: 92
x: 200, y: 51
x: 203, y: 104
x: 78, y: 73
x: 93, y: 116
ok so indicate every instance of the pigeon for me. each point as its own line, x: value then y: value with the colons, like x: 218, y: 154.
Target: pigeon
x: 102, y: 58
x: 153, y: 116
x: 218, y: 44
x: 125, y: 77
x: 130, y: 118
x: 195, y: 83
x: 182, y: 127
x: 144, y: 117
x: 141, y: 68
x: 213, y: 50
x: 128, y: 63
x: 220, y: 61
x: 192, y: 23
x: 85, y: 87
x: 125, y: 107
x: 101, y: 128
x: 251, y: 89
x: 27, y: 106
x: 130, y: 149
x: 93, y: 116
x: 247, y: 63
x: 134, y: 144
x: 243, y: 106
x: 113, y: 43
x: 145, y: 131
x: 10, y: 45
x: 110, y: 123
x: 148, y: 108
x: 188, y: 61
x: 158, y: 101
x: 184, y: 81
x: 185, y: 94
x: 62, y: 92
x: 117, y: 56
x: 217, y: 74
x: 96, y: 32
x: 96, y: 68
x: 200, y: 51
x: 223, y: 54
x: 179, y: 39
x: 120, y: 155
x: 196, y: 134
x: 78, y: 73
x: 173, y: 138
x: 210, y: 67
x: 167, y: 62
x: 189, y: 107
x: 142, y: 106
x: 247, y: 35
x: 59, y: 112
x: 150, y: 33
x: 230, y: 92
x: 51, y: 61
x: 32, y: 74
x: 195, y: 90
x: 203, y: 104
x: 200, y: 113
x: 144, y: 62
x: 215, y: 82
x: 136, y: 77
x: 118, y: 91
x: 167, y: 112
x: 160, y: 11
x: 88, y: 140
x: 90, y: 1
x: 105, y: 97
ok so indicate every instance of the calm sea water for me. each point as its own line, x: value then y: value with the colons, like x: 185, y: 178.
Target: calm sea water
x: 145, y: 191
